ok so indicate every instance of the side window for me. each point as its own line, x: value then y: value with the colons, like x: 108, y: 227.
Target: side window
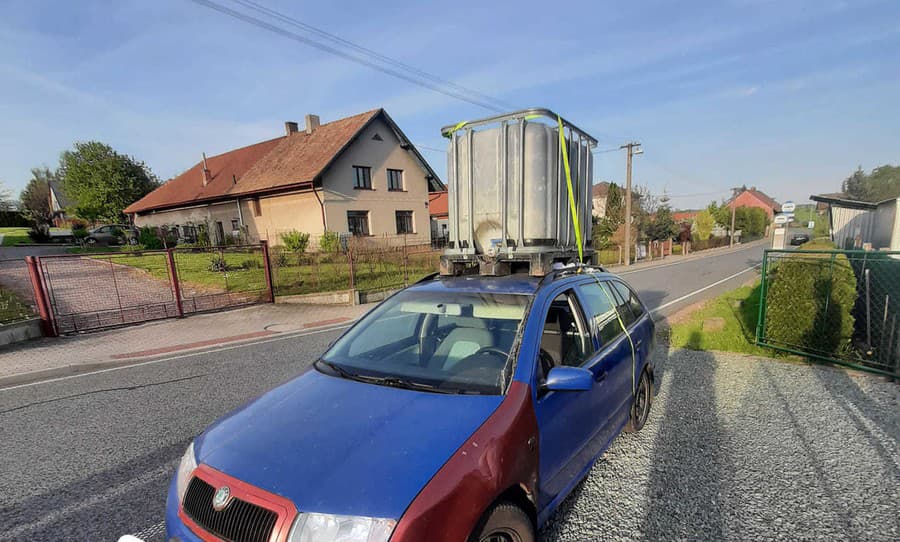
x: 601, y: 311
x: 565, y: 339
x: 630, y: 299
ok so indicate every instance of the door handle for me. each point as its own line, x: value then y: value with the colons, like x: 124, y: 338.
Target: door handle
x: 600, y: 377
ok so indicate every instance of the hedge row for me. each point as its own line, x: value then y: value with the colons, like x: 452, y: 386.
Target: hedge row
x: 809, y: 303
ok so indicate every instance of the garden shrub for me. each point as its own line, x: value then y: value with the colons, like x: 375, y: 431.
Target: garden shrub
x: 79, y: 231
x: 810, y: 302
x: 149, y: 239
x: 217, y: 263
x: 330, y: 242
x: 39, y: 233
x: 295, y: 241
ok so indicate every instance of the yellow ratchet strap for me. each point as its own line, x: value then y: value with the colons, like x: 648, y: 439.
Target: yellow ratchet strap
x: 453, y: 130
x: 565, y: 155
x: 622, y: 324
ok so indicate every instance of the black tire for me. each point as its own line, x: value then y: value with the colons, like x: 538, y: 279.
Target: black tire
x: 640, y: 405
x: 504, y: 522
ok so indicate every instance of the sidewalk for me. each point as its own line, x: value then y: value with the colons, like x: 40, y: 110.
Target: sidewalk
x: 53, y: 357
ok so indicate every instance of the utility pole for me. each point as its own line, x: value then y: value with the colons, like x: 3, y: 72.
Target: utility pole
x: 734, y: 195
x: 633, y: 148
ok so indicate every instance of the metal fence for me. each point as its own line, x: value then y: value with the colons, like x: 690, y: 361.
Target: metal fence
x: 833, y: 305
x: 363, y: 265
x: 92, y: 291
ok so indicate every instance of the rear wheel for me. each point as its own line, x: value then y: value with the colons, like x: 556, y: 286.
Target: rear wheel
x: 640, y: 406
x: 504, y: 522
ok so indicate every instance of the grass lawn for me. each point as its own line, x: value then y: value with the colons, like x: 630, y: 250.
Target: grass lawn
x: 726, y: 323
x: 13, y: 236
x: 244, y: 271
x: 11, y: 307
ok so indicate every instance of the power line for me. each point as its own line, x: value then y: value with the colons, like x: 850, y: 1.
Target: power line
x: 369, y: 52
x: 343, y: 54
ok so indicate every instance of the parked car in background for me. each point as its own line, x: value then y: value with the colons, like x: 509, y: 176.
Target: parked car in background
x: 461, y: 408
x: 799, y: 238
x: 111, y: 234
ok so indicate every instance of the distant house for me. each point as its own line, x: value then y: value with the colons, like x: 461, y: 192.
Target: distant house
x: 756, y: 198
x: 359, y: 176
x: 59, y: 204
x: 438, y: 207
x: 684, y: 216
x: 856, y: 224
x: 599, y: 193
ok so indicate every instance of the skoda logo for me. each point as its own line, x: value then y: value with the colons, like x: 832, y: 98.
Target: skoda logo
x: 221, y: 498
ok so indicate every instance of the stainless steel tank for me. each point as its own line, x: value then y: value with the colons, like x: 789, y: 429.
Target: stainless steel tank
x: 507, y: 190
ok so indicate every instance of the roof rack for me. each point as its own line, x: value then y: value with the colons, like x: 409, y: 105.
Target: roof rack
x: 572, y: 270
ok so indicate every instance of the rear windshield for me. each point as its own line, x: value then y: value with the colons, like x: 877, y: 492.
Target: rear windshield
x: 457, y: 342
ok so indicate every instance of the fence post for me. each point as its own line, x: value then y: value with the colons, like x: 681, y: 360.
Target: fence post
x: 173, y: 276
x: 267, y: 267
x: 405, y: 263
x: 40, y: 296
x: 763, y: 284
x: 350, y: 265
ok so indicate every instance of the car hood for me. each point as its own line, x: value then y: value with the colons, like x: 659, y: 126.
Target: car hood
x: 339, y: 446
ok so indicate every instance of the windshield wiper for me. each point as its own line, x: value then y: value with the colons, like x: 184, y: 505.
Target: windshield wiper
x: 337, y: 369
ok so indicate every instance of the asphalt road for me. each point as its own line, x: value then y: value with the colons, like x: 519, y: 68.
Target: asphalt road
x: 90, y: 457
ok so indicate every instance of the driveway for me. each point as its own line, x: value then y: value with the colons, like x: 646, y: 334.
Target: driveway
x: 748, y: 448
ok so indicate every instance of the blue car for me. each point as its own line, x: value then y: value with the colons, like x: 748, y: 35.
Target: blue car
x: 460, y: 409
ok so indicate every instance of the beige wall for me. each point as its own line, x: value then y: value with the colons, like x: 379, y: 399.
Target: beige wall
x: 224, y: 212
x: 340, y: 196
x: 283, y: 213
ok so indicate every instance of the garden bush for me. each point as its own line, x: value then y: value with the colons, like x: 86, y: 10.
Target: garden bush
x: 79, y: 231
x: 148, y: 237
x: 39, y: 233
x: 810, y: 302
x: 330, y: 242
x: 295, y: 241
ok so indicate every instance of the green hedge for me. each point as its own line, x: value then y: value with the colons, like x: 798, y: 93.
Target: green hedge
x: 810, y: 302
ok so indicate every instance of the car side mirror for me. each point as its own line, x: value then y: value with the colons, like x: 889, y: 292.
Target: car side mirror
x: 569, y: 379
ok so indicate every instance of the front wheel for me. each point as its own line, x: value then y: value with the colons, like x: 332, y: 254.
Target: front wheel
x: 640, y: 406
x: 505, y: 522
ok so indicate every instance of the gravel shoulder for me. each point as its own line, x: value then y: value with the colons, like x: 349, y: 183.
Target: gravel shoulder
x: 747, y: 448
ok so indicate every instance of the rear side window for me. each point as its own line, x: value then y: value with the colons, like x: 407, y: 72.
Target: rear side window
x: 630, y: 304
x: 601, y: 312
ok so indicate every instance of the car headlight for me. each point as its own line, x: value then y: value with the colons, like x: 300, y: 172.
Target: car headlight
x: 185, y: 468
x: 311, y: 527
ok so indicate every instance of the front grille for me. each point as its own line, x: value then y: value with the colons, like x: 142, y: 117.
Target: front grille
x: 240, y: 521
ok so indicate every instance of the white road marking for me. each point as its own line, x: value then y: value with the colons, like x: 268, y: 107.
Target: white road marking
x: 707, y: 287
x: 653, y: 267
x: 280, y: 337
x: 61, y: 513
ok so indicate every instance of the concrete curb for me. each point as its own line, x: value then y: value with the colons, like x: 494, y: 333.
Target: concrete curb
x: 690, y: 257
x: 20, y: 331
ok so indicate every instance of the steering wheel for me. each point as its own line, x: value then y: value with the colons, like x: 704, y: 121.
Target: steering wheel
x: 491, y: 350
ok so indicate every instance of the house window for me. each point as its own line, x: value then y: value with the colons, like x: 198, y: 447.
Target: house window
x: 257, y: 210
x: 395, y: 179
x: 362, y: 177
x: 358, y: 222
x: 235, y: 225
x: 405, y: 222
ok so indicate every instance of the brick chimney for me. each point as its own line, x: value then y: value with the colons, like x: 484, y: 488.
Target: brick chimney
x: 290, y: 127
x: 206, y: 175
x: 312, y: 122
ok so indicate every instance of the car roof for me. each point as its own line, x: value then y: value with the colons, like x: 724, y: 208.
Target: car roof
x: 517, y: 283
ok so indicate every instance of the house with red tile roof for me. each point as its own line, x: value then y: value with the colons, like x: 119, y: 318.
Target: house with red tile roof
x: 752, y: 197
x: 358, y: 175
x: 439, y: 208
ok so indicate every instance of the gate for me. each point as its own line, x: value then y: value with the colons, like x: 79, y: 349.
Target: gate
x: 94, y: 291
x: 840, y: 306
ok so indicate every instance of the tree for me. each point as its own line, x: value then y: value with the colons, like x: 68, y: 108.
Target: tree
x: 883, y: 183
x: 604, y: 228
x: 34, y: 201
x: 704, y: 224
x: 102, y: 182
x: 663, y: 226
x: 721, y: 213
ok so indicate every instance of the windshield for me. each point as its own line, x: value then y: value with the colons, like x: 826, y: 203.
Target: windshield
x: 454, y: 343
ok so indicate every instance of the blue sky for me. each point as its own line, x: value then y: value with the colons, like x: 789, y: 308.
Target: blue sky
x: 787, y: 96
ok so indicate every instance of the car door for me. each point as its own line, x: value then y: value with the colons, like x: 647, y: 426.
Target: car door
x: 611, y: 363
x: 639, y: 323
x: 566, y: 419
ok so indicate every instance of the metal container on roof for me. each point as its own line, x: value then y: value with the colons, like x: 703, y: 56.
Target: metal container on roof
x: 508, y: 193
